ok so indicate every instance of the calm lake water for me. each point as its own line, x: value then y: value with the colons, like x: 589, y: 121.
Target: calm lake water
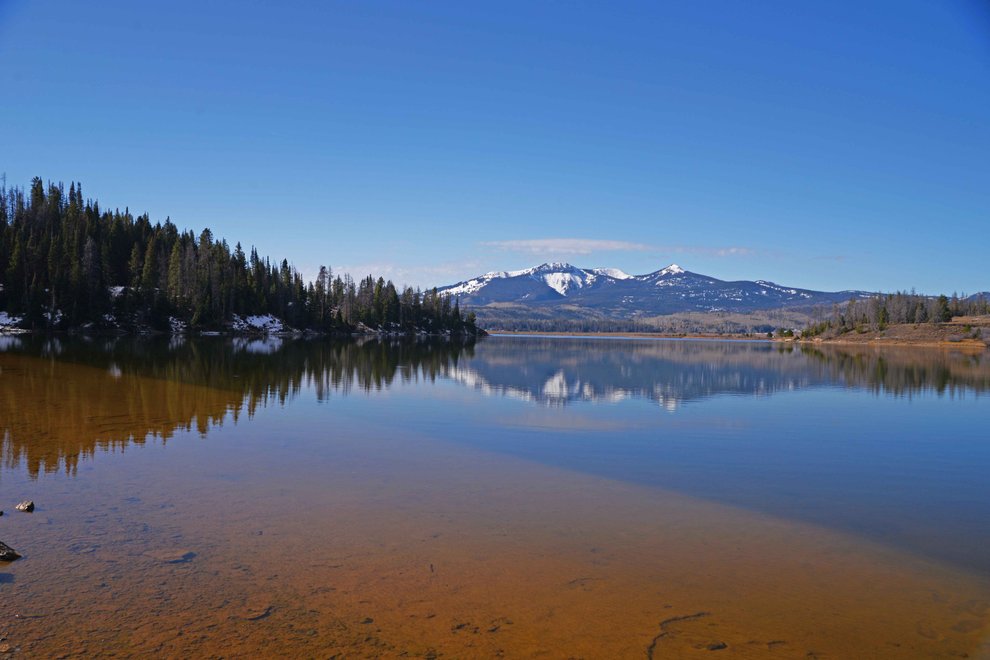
x: 519, y: 497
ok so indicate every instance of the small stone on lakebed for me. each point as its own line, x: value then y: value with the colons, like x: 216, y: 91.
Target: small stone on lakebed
x: 172, y: 556
x: 27, y: 506
x: 7, y: 553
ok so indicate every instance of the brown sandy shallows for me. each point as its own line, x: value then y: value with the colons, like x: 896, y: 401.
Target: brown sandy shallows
x: 371, y: 550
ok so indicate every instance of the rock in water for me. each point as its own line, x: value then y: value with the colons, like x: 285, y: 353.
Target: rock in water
x: 7, y: 553
x: 172, y: 556
x: 26, y: 505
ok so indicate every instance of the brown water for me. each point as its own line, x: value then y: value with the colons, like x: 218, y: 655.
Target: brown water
x: 351, y: 501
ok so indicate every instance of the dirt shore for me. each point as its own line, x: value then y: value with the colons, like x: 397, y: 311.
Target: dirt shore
x: 962, y: 332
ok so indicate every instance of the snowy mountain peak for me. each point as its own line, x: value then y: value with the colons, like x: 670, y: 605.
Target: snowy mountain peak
x: 614, y: 273
x: 556, y: 266
x: 563, y: 277
x: 672, y: 269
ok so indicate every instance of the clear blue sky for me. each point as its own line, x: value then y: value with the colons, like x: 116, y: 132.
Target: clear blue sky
x: 828, y: 145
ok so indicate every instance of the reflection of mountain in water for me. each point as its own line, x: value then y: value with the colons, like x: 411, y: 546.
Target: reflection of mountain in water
x: 64, y: 399
x: 61, y: 400
x: 558, y: 371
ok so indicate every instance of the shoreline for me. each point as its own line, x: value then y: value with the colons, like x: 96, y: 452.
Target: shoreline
x: 967, y: 344
x: 871, y: 340
x: 626, y: 335
x: 255, y: 334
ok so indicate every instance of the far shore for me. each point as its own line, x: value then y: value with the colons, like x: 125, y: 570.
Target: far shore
x: 631, y: 335
x: 962, y: 332
x: 910, y: 335
x: 964, y: 344
x: 944, y: 336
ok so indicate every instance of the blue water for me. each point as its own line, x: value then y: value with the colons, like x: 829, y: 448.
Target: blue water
x: 892, y: 445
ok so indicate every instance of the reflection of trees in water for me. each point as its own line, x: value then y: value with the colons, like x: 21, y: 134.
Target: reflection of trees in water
x: 903, y: 371
x: 63, y: 400
x: 53, y: 413
x: 554, y: 371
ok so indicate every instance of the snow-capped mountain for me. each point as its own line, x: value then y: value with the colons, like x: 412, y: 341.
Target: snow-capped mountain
x: 614, y: 293
x: 544, y: 282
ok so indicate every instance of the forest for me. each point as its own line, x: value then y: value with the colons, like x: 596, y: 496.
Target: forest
x: 883, y: 310
x: 67, y: 263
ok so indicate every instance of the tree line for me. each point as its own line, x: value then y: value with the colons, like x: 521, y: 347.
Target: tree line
x: 65, y: 263
x: 879, y: 311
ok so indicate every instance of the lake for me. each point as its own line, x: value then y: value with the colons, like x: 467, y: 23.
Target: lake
x: 515, y: 497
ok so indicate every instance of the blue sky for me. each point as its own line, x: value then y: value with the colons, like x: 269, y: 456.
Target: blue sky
x: 825, y: 145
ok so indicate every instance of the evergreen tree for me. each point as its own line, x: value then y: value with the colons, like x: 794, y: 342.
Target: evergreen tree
x: 63, y: 260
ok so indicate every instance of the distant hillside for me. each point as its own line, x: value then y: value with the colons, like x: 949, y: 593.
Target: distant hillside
x: 907, y: 318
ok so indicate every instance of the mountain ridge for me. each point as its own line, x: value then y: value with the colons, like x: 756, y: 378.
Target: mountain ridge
x: 613, y: 293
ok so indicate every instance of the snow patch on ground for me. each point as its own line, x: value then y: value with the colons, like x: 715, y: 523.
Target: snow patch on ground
x: 116, y: 291
x: 7, y: 320
x: 563, y: 282
x: 471, y: 286
x: 777, y: 287
x: 259, y: 323
x: 614, y: 273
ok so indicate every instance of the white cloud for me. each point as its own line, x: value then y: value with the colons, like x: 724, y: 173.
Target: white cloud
x: 566, y: 246
x: 406, y: 275
x: 732, y: 251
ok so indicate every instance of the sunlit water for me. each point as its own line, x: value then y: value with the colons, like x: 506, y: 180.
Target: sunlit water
x: 520, y: 497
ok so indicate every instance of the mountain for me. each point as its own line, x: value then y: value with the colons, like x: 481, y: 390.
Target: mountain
x: 544, y: 283
x: 566, y: 291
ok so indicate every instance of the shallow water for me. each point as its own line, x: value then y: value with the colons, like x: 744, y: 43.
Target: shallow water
x: 519, y: 497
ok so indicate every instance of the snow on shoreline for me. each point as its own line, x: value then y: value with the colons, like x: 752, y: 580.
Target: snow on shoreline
x: 265, y: 323
x: 10, y: 324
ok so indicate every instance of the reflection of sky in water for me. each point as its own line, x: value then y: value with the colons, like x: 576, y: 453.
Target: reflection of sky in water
x: 797, y: 435
x: 557, y: 372
x: 908, y: 472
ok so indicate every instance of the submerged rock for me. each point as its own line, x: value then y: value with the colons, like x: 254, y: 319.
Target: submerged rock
x: 7, y: 553
x: 172, y: 556
x: 26, y: 506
